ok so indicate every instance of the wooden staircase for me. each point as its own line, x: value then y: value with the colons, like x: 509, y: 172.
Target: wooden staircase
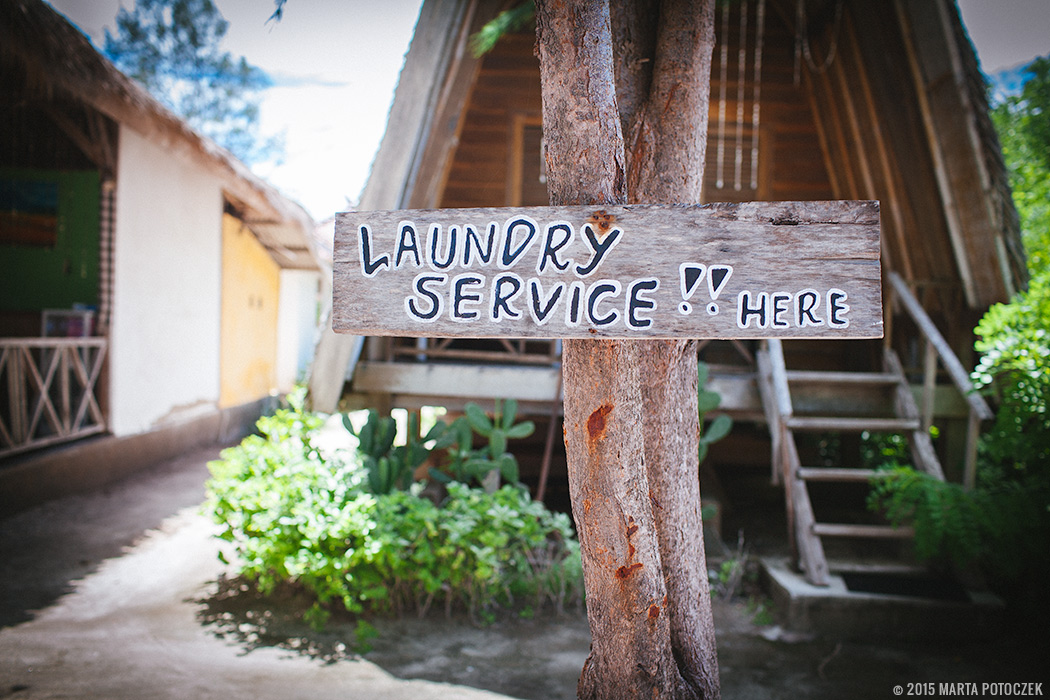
x: 845, y: 402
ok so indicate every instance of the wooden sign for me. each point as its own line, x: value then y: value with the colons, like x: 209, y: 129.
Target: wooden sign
x: 750, y: 270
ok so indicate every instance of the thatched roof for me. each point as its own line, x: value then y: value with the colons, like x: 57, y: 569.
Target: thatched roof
x: 51, y: 61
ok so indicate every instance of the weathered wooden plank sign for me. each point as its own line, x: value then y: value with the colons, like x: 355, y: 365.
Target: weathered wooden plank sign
x: 751, y: 270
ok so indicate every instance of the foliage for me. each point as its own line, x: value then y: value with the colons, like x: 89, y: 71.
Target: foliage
x: 173, y: 48
x: 1002, y: 525
x: 1014, y: 370
x: 1023, y: 124
x: 391, y: 466
x: 506, y: 22
x: 884, y: 450
x: 708, y: 401
x: 946, y: 519
x: 295, y: 514
x: 471, y: 465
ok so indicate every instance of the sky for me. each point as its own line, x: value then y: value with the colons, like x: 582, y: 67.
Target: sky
x: 335, y: 65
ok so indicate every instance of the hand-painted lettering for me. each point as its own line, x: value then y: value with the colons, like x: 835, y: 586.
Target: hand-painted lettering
x: 563, y: 275
x: 752, y: 308
x: 504, y: 288
x: 636, y: 302
x: 780, y: 304
x: 599, y: 289
x: 599, y: 247
x: 562, y: 231
x: 450, y: 247
x: 837, y: 308
x: 806, y: 303
x: 432, y: 308
x: 473, y: 239
x: 572, y: 308
x: 407, y: 243
x: 539, y: 306
x: 508, y: 256
x: 782, y: 310
x: 368, y: 266
x: 462, y: 294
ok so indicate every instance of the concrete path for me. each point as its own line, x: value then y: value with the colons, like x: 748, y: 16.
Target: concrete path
x: 129, y: 628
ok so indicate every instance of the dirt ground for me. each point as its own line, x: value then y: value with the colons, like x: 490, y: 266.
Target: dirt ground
x: 119, y: 594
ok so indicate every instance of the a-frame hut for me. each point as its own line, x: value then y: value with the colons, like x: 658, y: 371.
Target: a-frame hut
x: 810, y: 100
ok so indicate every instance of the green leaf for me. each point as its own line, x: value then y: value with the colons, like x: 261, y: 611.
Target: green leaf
x: 477, y: 419
x: 508, y: 468
x: 701, y: 372
x: 497, y: 443
x: 510, y: 411
x: 521, y: 430
x: 707, y: 401
x: 718, y: 429
x: 439, y: 476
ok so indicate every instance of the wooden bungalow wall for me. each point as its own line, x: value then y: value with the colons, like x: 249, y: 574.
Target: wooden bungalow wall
x: 506, y: 94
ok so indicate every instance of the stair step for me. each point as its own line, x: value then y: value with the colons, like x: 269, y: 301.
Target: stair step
x: 869, y: 531
x: 878, y: 425
x: 817, y: 377
x: 836, y: 474
x: 894, y: 568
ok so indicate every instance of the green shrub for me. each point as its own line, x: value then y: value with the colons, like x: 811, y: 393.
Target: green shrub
x: 294, y: 514
x: 1014, y: 371
x: 1003, y: 523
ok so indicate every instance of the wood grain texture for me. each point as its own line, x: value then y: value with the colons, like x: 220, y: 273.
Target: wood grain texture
x: 782, y: 248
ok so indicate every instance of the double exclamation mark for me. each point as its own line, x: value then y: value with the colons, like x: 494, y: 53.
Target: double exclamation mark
x: 691, y: 275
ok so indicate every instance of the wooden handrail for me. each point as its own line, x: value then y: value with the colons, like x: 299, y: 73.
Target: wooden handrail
x: 935, y: 342
x: 959, y: 376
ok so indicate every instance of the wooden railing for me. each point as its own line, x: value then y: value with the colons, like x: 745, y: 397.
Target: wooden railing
x: 937, y: 351
x: 47, y: 391
x: 491, y: 350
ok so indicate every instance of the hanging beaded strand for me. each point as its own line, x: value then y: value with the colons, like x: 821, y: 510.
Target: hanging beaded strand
x: 723, y: 70
x: 741, y: 87
x: 760, y: 19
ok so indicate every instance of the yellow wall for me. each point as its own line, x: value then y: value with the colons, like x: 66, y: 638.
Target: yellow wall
x: 250, y: 293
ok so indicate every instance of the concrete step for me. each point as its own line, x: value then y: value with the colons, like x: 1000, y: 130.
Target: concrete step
x: 906, y: 606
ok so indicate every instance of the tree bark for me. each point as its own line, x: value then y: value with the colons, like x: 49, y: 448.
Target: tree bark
x: 631, y: 424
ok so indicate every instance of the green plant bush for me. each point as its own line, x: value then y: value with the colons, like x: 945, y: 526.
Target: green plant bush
x: 1014, y: 371
x: 297, y: 515
x: 1003, y: 523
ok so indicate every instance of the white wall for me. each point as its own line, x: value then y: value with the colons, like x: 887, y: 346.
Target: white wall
x: 296, y: 325
x: 164, y: 361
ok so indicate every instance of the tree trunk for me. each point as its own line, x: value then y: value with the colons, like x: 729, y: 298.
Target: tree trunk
x: 631, y: 424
